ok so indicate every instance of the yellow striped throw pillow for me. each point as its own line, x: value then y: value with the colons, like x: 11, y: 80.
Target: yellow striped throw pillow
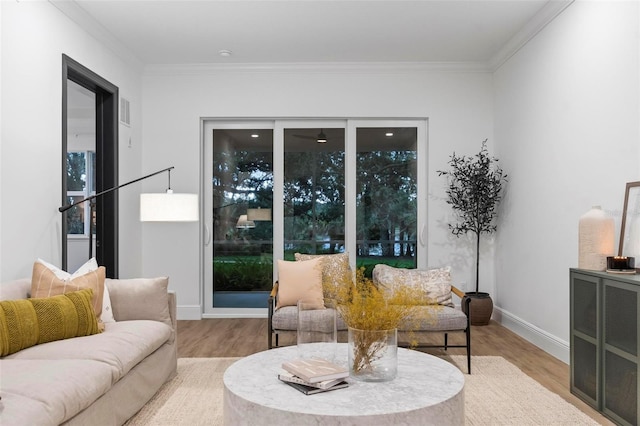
x: 29, y: 322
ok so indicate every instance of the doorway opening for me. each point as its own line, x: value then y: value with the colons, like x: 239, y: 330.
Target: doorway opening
x: 89, y: 165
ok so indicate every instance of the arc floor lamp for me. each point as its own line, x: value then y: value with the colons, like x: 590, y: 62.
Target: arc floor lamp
x: 155, y: 207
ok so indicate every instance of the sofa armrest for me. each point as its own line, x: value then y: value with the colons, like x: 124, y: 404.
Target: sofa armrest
x: 173, y: 310
x: 17, y: 289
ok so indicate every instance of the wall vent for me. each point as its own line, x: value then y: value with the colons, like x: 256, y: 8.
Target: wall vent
x: 125, y: 108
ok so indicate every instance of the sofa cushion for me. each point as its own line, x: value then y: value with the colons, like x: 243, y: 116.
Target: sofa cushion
x: 140, y: 299
x: 121, y: 346
x: 299, y: 281
x: 433, y: 284
x: 46, y: 283
x: 49, y: 392
x: 28, y: 322
x: 336, y: 272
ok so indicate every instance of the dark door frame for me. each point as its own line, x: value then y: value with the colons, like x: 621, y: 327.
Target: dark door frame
x: 106, y: 207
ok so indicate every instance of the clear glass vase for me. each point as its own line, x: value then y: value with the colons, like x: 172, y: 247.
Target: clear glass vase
x: 317, y: 335
x: 373, y: 354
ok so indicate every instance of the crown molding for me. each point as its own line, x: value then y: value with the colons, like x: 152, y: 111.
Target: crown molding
x: 536, y: 24
x: 547, y: 14
x: 318, y: 68
x: 77, y: 14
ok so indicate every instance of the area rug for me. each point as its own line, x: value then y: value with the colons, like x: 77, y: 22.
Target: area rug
x: 497, y: 393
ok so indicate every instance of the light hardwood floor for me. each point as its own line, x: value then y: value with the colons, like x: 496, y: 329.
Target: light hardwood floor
x: 244, y: 336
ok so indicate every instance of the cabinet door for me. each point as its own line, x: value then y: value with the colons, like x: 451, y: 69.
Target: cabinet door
x: 585, y: 337
x: 621, y: 348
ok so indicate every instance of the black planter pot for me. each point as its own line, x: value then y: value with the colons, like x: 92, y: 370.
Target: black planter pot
x: 481, y: 307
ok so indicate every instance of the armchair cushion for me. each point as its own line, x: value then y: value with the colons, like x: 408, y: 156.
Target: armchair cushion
x: 335, y: 271
x: 299, y: 281
x: 435, y: 284
x: 435, y: 318
x: 286, y: 318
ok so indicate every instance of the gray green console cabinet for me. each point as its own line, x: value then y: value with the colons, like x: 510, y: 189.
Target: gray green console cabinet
x: 605, y: 342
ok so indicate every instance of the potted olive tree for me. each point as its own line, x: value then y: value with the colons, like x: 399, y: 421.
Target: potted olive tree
x: 474, y: 192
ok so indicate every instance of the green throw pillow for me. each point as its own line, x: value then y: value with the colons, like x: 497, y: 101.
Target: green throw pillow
x: 29, y: 322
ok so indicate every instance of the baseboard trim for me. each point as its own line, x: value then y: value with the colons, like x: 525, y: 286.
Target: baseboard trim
x: 545, y: 341
x: 237, y: 313
x: 194, y: 312
x: 189, y: 312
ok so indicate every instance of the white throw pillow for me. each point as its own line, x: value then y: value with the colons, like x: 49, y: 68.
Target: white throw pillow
x: 433, y: 284
x: 107, y: 310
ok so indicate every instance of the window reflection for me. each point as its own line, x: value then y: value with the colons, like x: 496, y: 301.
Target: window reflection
x: 386, y: 202
x: 314, y: 191
x: 242, y: 225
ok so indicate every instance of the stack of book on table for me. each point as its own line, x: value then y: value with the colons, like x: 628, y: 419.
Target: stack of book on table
x: 313, y: 375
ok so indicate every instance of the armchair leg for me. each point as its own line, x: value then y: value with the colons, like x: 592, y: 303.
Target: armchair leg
x: 446, y: 336
x: 468, y: 333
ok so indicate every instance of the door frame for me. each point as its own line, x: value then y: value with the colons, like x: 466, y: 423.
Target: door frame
x: 106, y: 207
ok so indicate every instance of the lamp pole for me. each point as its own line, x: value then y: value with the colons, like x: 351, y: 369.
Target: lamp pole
x: 106, y: 191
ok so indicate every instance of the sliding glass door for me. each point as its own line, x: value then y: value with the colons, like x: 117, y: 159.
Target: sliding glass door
x: 241, y: 199
x: 386, y: 196
x: 314, y: 219
x: 274, y: 188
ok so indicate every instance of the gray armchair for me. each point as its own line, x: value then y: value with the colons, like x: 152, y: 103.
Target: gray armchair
x: 443, y: 319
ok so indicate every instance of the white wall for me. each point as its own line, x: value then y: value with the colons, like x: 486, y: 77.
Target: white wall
x: 567, y: 129
x: 458, y: 105
x: 565, y: 110
x: 34, y: 35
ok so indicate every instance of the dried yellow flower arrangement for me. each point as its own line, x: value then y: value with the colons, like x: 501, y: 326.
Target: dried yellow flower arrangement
x: 365, y: 307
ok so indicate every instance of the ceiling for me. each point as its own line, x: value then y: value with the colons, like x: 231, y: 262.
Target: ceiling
x: 313, y: 31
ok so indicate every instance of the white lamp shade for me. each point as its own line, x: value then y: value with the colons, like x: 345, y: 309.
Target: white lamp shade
x: 244, y: 222
x: 169, y: 207
x: 259, y: 214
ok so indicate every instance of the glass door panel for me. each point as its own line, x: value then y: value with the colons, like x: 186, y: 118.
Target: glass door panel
x: 242, y: 193
x: 386, y: 196
x: 80, y: 174
x: 314, y: 191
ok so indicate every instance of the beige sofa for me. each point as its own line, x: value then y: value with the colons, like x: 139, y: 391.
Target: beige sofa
x: 102, y: 379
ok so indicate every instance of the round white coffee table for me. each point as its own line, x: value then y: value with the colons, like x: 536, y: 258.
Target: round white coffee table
x: 427, y: 391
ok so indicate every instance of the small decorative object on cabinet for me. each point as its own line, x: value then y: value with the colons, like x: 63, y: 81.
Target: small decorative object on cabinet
x: 595, y: 239
x: 605, y: 342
